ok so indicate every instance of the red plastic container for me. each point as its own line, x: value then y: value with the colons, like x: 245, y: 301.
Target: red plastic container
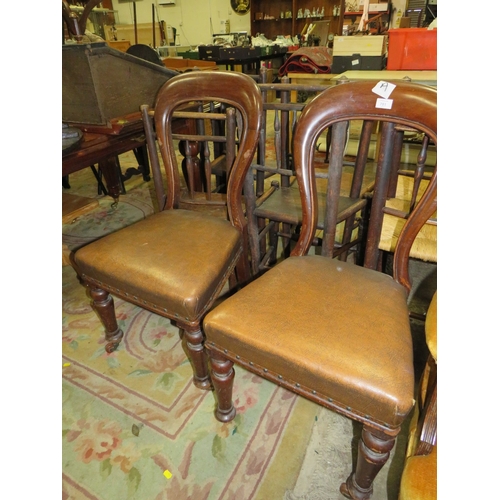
x: 412, y: 49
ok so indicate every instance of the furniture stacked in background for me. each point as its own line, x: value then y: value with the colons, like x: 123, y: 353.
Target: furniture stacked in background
x: 92, y: 78
x: 275, y: 212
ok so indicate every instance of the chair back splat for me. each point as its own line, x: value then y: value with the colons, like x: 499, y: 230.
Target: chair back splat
x: 177, y: 261
x: 342, y: 337
x: 414, y: 106
x: 218, y: 139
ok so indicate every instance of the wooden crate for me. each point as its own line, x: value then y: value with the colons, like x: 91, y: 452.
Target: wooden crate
x: 100, y: 84
x: 121, y: 45
x: 373, y: 45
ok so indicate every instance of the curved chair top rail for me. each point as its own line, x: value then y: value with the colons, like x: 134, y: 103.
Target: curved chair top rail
x: 413, y: 105
x: 234, y: 89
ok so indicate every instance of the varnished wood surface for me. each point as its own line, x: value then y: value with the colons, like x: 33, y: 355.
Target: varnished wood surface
x: 73, y: 206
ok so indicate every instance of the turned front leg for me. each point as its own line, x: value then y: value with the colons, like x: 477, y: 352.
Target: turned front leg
x: 373, y: 453
x: 193, y: 338
x: 104, y: 306
x: 222, y: 380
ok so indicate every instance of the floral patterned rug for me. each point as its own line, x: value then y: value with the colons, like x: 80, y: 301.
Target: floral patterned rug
x: 134, y: 426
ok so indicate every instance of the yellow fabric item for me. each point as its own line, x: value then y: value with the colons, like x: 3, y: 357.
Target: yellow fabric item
x: 431, y: 327
x: 419, y: 479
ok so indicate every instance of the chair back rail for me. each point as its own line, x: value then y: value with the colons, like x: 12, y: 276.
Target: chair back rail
x: 413, y: 106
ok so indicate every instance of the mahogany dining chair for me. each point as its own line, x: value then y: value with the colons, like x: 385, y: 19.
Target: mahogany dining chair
x: 176, y: 262
x: 331, y: 331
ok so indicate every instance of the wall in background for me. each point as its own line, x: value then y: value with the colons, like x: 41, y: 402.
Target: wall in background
x: 197, y: 20
x: 194, y: 20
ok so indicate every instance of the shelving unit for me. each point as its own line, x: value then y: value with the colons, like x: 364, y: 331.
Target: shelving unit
x: 381, y: 18
x: 263, y: 10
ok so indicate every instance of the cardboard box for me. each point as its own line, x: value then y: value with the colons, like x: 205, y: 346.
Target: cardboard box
x: 368, y: 45
x: 405, y: 22
x: 374, y: 6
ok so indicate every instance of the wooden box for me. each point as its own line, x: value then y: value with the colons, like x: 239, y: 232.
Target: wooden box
x: 357, y: 62
x: 373, y: 45
x: 122, y: 45
x: 100, y: 84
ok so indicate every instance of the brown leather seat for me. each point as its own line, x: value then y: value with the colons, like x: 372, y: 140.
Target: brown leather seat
x: 331, y: 331
x: 176, y: 262
x: 358, y: 368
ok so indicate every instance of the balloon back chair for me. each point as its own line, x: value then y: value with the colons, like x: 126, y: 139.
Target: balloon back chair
x: 176, y: 262
x: 342, y: 337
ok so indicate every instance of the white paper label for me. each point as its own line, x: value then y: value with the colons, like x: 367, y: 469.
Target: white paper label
x: 354, y: 62
x: 384, y: 103
x: 384, y: 89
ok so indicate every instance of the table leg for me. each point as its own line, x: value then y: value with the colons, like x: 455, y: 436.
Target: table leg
x: 141, y: 155
x: 110, y: 169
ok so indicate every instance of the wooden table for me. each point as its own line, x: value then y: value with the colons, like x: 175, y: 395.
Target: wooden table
x: 422, y: 77
x: 103, y: 149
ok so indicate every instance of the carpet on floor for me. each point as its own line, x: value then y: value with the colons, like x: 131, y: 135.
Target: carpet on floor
x: 134, y: 426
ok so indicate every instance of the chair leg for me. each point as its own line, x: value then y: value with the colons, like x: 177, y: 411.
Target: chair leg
x: 105, y: 308
x: 193, y: 341
x: 373, y: 453
x: 222, y: 380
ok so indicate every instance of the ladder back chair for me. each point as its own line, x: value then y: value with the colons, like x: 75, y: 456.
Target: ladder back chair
x: 275, y: 210
x: 176, y: 262
x: 342, y: 338
x: 207, y: 143
x: 412, y: 155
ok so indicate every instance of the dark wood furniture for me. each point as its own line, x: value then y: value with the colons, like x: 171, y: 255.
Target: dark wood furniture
x: 334, y: 332
x: 262, y: 10
x: 248, y: 64
x: 103, y: 149
x: 176, y: 262
x: 275, y: 213
x: 103, y: 90
x: 208, y: 146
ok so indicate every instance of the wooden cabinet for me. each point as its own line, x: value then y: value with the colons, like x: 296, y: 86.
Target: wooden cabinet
x: 273, y: 18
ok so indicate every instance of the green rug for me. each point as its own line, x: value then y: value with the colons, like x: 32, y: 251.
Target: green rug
x: 134, y: 426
